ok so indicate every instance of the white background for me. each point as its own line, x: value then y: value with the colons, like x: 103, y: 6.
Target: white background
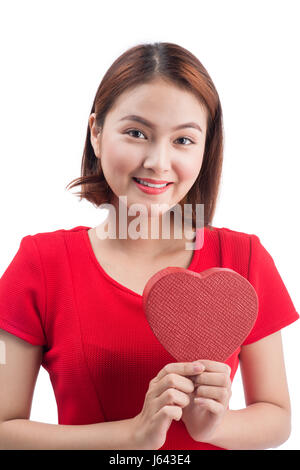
x: 54, y: 55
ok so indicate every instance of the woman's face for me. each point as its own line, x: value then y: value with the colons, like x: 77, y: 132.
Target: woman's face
x: 129, y: 149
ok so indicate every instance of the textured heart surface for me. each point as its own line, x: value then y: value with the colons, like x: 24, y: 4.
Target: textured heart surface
x: 203, y: 315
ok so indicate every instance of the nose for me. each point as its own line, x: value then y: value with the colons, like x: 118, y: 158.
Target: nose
x: 158, y: 159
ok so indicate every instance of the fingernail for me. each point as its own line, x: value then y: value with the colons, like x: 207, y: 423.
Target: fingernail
x: 198, y: 368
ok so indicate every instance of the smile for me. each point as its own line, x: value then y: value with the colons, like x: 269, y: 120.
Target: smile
x: 146, y: 183
x: 150, y: 188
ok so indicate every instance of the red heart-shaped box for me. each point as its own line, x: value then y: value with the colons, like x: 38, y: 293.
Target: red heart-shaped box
x: 203, y: 315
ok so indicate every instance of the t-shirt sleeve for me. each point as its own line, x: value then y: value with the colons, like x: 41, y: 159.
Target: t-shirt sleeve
x: 22, y: 294
x: 275, y: 307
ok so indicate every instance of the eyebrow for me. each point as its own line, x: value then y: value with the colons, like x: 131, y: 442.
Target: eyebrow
x: 134, y: 117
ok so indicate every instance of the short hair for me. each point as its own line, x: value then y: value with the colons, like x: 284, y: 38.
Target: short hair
x: 176, y: 65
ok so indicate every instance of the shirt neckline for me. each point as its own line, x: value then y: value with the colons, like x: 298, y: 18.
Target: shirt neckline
x: 193, y: 263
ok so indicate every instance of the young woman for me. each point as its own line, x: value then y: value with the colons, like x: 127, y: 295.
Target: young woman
x: 71, y: 300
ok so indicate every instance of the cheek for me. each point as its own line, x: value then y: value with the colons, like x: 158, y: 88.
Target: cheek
x: 188, y: 171
x: 118, y: 158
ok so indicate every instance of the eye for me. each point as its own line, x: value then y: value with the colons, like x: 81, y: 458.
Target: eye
x: 133, y: 130
x: 136, y: 130
x: 186, y: 138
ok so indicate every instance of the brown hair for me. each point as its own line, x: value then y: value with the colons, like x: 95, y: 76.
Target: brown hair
x: 142, y: 64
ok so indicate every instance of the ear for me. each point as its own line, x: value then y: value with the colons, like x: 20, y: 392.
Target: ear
x: 95, y: 134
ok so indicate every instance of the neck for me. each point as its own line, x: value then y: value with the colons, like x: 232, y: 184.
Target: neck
x: 148, y: 236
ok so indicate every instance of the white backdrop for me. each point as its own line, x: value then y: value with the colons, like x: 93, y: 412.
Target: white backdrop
x: 54, y: 55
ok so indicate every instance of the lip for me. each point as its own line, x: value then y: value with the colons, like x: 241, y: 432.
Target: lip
x: 148, y: 190
x: 148, y: 180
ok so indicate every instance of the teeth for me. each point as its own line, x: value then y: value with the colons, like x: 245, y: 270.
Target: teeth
x: 150, y: 184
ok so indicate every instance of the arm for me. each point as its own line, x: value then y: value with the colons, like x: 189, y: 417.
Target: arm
x: 17, y: 381
x: 266, y: 420
x: 24, y: 434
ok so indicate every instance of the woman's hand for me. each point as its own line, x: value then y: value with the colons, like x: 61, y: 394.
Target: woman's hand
x: 168, y: 394
x: 213, y: 388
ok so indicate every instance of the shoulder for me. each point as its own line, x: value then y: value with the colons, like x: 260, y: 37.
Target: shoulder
x: 54, y: 235
x: 229, y: 237
x: 234, y: 247
x: 229, y: 233
x: 50, y: 245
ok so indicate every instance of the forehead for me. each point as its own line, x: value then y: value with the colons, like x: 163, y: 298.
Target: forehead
x: 157, y: 99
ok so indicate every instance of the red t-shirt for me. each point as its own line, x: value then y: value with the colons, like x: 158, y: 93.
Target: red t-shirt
x: 98, y: 348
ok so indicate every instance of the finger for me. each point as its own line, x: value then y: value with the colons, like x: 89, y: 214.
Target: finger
x: 221, y: 394
x: 181, y: 368
x: 211, y: 405
x: 219, y: 379
x: 172, y: 396
x: 174, y: 381
x: 214, y: 366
